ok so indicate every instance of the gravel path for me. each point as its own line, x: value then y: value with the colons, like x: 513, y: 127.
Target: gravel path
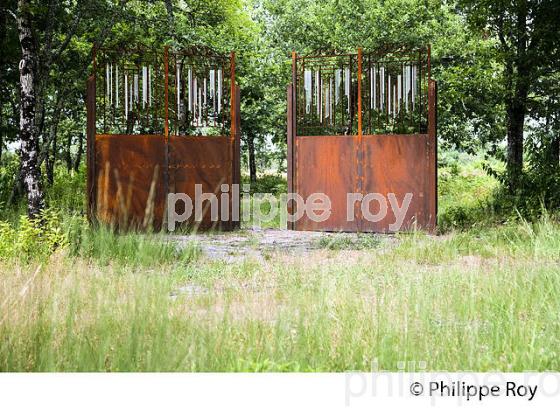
x: 231, y: 246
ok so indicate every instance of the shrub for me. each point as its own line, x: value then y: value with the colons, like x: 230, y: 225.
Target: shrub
x: 32, y: 238
x: 68, y: 192
x: 273, y: 184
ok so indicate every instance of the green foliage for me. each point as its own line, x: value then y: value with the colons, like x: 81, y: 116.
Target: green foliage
x: 540, y: 238
x: 9, y: 167
x: 32, y: 238
x: 272, y: 184
x: 540, y: 184
x: 472, y: 193
x: 68, y: 190
x: 466, y: 193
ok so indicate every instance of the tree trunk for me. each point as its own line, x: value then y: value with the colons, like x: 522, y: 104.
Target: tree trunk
x: 18, y: 189
x: 80, y: 152
x: 51, y: 158
x: 50, y: 142
x: 516, y: 105
x: 68, y: 152
x: 554, y: 144
x: 28, y: 140
x: 1, y: 133
x: 40, y: 114
x: 53, y: 139
x: 252, y: 159
x: 516, y: 119
x: 555, y: 150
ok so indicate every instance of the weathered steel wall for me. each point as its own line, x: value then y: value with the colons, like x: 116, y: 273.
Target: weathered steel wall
x: 383, y: 164
x: 397, y: 164
x: 200, y: 160
x: 388, y: 163
x: 129, y: 173
x: 326, y: 164
x: 130, y: 177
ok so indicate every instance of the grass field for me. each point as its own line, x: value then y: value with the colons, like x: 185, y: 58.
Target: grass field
x: 465, y: 301
x: 482, y: 298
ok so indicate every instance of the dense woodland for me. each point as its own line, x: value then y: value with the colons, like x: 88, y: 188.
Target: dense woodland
x: 497, y: 64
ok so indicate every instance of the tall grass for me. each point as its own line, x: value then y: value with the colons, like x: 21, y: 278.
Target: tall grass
x: 77, y: 298
x: 105, y: 245
x: 467, y: 301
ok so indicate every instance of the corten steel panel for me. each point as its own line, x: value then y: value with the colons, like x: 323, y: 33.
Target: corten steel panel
x: 129, y: 172
x: 200, y: 160
x: 326, y: 164
x: 397, y: 164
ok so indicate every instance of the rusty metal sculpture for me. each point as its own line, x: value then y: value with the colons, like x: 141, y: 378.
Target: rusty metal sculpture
x: 363, y: 123
x: 159, y: 121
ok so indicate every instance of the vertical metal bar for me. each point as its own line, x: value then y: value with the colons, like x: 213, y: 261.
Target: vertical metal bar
x: 223, y: 91
x: 429, y: 62
x: 175, y: 95
x: 166, y: 64
x: 350, y: 107
x: 237, y: 153
x: 359, y: 148
x: 90, y: 143
x: 333, y: 102
x: 420, y: 94
x: 411, y: 84
x: 146, y: 94
x: 294, y: 93
x: 166, y: 128
x: 290, y: 151
x: 387, y: 91
x: 232, y: 96
x: 370, y: 88
x: 302, y: 109
x: 157, y: 96
x: 104, y: 99
x: 379, y: 104
x: 293, y: 147
x: 431, y: 170
x: 233, y: 134
x: 360, y: 94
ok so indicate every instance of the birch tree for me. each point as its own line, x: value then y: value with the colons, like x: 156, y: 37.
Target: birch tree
x: 29, y: 147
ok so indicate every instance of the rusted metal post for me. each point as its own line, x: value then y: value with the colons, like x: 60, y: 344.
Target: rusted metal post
x: 166, y: 65
x: 290, y: 152
x: 359, y: 150
x: 234, y: 113
x: 166, y: 131
x: 292, y: 138
x: 232, y: 91
x: 360, y: 94
x: 91, y: 185
x: 236, y: 171
x: 90, y: 147
x: 432, y: 155
x: 429, y: 63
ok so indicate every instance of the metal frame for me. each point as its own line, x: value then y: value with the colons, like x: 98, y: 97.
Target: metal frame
x: 185, y: 158
x: 371, y: 146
